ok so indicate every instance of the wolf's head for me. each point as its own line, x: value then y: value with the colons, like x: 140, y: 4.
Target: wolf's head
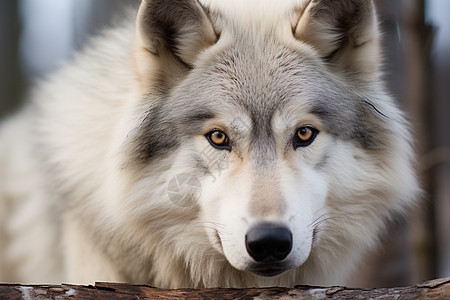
x: 274, y: 113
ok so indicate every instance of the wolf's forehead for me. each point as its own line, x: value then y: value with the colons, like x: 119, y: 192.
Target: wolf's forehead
x: 260, y: 78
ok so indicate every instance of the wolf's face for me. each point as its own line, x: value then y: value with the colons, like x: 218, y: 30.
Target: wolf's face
x: 258, y: 155
x: 262, y: 138
x: 279, y: 122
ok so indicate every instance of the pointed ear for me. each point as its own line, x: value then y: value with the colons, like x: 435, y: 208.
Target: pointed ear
x: 179, y: 29
x: 344, y: 33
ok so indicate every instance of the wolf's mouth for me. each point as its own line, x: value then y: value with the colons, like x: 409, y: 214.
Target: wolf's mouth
x: 267, y: 270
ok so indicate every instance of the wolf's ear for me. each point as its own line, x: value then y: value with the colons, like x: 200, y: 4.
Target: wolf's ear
x: 180, y: 29
x: 344, y: 33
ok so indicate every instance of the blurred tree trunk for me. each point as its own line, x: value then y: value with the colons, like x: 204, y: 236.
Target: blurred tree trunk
x: 11, y: 81
x: 437, y: 161
x: 418, y: 102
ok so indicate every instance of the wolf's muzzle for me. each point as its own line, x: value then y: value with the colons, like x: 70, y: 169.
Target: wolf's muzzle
x: 268, y: 242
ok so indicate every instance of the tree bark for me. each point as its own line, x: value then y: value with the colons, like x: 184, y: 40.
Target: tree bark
x: 434, y: 289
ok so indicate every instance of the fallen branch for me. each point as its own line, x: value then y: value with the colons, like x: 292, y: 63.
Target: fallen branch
x: 434, y: 289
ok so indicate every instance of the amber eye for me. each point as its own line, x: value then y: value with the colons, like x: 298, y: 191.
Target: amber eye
x: 305, y: 136
x: 218, y: 139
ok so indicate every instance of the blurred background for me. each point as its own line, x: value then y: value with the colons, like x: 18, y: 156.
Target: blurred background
x: 37, y: 36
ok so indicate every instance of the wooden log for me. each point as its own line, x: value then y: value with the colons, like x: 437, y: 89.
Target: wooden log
x: 434, y: 289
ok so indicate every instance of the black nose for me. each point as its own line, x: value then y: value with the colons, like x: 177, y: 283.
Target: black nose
x: 268, y: 242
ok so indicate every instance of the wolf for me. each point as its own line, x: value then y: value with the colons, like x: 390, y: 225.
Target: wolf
x: 208, y: 143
